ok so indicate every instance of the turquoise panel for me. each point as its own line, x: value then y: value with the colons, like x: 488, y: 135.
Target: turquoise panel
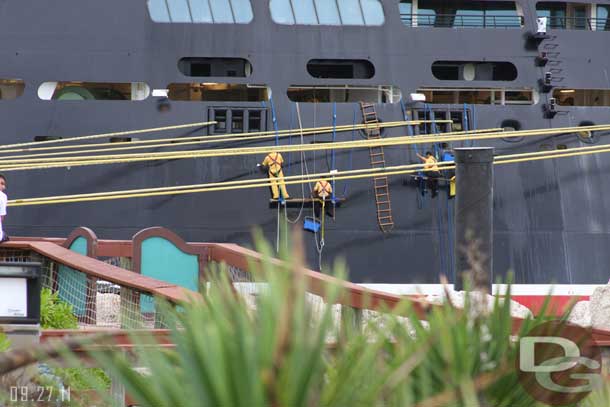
x: 72, y: 284
x: 161, y: 259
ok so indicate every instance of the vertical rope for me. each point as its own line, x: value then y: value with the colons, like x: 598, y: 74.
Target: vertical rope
x: 332, y: 154
x: 411, y: 133
x: 274, y: 120
x: 292, y: 108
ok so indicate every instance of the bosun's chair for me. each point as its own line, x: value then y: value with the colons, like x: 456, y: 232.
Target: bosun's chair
x: 75, y: 287
x: 161, y: 254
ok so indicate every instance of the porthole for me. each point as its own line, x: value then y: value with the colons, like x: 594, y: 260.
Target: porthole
x: 511, y: 125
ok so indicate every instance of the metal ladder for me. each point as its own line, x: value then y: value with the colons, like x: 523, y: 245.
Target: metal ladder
x: 377, y: 156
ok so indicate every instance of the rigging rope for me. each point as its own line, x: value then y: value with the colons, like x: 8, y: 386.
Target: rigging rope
x: 174, y: 142
x: 114, y: 134
x: 353, y: 174
x: 22, y: 164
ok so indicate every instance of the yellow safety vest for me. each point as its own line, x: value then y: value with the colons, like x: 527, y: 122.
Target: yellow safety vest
x: 274, y: 161
x: 323, y: 188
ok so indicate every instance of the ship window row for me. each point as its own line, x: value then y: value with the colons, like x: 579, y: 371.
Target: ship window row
x: 582, y: 97
x: 460, y: 14
x: 480, y: 96
x: 227, y: 92
x: 327, y: 12
x: 413, y: 13
x: 574, y: 16
x: 200, y: 11
x: 242, y: 68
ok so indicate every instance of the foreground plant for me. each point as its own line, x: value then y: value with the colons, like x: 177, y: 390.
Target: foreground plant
x: 283, y: 347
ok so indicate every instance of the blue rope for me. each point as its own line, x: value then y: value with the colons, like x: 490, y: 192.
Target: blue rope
x: 332, y: 154
x: 351, y: 150
x: 274, y: 119
x: 411, y: 133
x: 434, y: 129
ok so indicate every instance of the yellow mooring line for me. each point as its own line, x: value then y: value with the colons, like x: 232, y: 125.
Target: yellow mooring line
x: 102, y: 135
x: 58, y: 162
x: 180, y: 142
x: 298, y: 179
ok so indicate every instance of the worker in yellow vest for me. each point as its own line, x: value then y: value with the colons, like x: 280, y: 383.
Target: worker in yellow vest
x: 431, y: 172
x: 322, y: 190
x: 273, y: 163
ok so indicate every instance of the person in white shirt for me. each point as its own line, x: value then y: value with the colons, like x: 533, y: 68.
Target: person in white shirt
x: 3, y: 201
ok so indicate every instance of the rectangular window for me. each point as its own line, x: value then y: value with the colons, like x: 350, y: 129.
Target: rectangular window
x: 281, y: 12
x: 305, y: 12
x: 200, y: 11
x: 237, y: 121
x: 221, y: 10
x: 242, y: 10
x: 217, y: 92
x: 555, y: 12
x: 478, y: 96
x: 463, y: 14
x: 602, y: 23
x: 328, y: 14
x: 158, y: 10
x: 350, y: 11
x: 582, y: 97
x: 254, y: 120
x: 179, y: 11
x: 11, y: 88
x: 372, y: 10
x: 456, y: 118
x: 220, y: 116
x: 344, y: 94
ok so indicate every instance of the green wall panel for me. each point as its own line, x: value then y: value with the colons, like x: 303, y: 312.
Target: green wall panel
x: 161, y: 259
x: 72, y: 284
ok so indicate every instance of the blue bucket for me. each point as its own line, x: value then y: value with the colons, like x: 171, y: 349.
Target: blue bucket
x: 447, y: 156
x: 311, y: 225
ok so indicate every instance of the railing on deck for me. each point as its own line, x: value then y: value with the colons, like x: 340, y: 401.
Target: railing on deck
x: 578, y: 23
x: 462, y: 20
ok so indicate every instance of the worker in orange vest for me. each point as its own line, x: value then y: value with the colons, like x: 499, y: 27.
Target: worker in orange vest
x: 273, y: 163
x: 322, y: 190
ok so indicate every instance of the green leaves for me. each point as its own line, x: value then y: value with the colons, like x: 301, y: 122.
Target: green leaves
x: 4, y: 342
x: 55, y: 313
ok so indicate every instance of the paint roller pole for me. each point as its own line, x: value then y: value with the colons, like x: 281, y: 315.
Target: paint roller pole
x: 473, y: 249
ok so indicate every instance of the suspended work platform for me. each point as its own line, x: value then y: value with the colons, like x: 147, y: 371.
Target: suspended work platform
x: 306, y: 202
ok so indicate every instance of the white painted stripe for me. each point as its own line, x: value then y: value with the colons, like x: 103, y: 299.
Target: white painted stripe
x: 516, y: 289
